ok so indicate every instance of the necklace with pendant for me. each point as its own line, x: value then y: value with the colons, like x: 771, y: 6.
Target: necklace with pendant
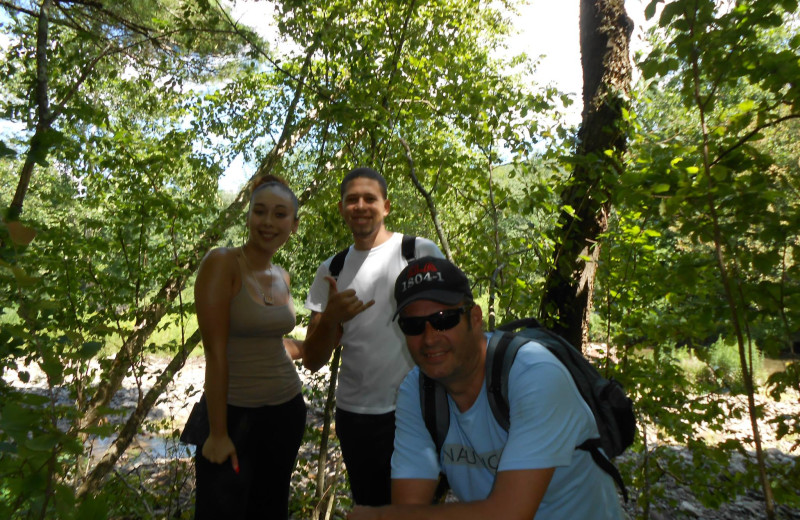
x: 267, y: 300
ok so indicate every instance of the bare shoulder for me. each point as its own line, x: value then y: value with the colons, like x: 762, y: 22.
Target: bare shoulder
x: 221, y: 255
x: 284, y: 273
x: 221, y: 260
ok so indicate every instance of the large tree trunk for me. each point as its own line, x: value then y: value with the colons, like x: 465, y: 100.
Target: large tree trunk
x: 605, y: 31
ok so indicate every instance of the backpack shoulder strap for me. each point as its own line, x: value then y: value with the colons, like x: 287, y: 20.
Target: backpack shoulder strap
x: 435, y: 410
x: 337, y: 263
x: 436, y: 414
x: 408, y: 247
x: 593, y: 447
x: 501, y: 351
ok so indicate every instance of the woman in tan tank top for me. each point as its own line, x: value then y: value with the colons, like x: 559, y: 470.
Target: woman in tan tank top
x: 256, y: 413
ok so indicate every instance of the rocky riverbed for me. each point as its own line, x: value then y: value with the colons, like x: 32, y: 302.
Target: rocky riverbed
x: 156, y: 448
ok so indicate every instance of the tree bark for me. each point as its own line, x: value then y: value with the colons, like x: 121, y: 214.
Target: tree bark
x: 328, y: 414
x: 38, y: 147
x: 412, y: 173
x: 131, y: 426
x: 605, y: 32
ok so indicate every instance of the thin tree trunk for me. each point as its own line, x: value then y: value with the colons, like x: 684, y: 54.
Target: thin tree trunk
x: 322, y: 457
x: 92, y: 483
x: 412, y: 172
x: 605, y: 31
x: 492, y: 296
x: 737, y: 318
x: 38, y: 147
x: 37, y: 152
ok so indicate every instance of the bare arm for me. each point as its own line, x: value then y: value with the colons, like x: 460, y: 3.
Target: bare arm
x: 411, y: 491
x: 516, y: 496
x: 213, y: 292
x: 325, y: 328
x: 293, y: 347
x: 322, y: 337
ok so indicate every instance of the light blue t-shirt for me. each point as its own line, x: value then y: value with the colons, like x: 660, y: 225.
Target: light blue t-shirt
x: 548, y: 419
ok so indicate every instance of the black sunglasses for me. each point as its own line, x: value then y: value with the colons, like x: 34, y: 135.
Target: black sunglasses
x: 442, y: 320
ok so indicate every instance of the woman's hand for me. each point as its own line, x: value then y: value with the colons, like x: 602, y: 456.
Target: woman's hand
x: 220, y: 449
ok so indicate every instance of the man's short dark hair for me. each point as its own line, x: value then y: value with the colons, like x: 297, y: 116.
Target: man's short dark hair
x: 367, y: 173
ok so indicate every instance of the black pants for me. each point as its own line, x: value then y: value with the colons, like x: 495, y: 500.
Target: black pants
x: 367, y: 443
x: 267, y: 440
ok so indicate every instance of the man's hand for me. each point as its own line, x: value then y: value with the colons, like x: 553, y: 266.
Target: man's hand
x: 219, y: 449
x: 345, y: 305
x: 325, y: 328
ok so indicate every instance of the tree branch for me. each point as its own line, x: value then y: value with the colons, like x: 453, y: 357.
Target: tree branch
x: 412, y: 172
x: 131, y: 426
x: 749, y: 135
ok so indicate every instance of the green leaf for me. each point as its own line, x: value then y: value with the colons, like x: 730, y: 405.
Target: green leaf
x: 93, y: 508
x: 650, y: 10
x: 90, y: 349
x: 6, y: 152
x: 45, y: 442
x: 23, y: 279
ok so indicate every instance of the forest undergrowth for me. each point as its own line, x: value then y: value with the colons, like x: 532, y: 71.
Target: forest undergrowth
x: 155, y: 477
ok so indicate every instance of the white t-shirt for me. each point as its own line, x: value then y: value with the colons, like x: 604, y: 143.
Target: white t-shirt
x: 374, y: 355
x: 548, y: 419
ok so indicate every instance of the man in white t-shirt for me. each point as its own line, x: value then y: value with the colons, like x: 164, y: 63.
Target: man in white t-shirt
x: 531, y: 470
x: 356, y: 310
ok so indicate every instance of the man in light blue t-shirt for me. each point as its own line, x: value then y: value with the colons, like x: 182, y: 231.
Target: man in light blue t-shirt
x: 533, y: 470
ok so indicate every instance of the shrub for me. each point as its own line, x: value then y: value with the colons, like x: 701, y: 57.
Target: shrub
x: 722, y: 357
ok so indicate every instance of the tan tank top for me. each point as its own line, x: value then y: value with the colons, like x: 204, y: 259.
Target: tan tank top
x: 260, y: 372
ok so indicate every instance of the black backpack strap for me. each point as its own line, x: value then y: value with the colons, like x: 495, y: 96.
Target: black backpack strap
x: 524, y: 323
x: 501, y: 351
x: 408, y: 247
x: 592, y: 446
x: 435, y: 410
x: 337, y: 263
x: 436, y: 414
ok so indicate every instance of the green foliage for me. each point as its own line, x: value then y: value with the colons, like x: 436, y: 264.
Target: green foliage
x: 127, y: 181
x: 702, y: 242
x: 126, y: 186
x: 115, y: 201
x: 781, y: 384
x: 722, y: 358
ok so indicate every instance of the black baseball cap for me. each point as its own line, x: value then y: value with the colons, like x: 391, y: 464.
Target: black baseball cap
x: 431, y: 278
